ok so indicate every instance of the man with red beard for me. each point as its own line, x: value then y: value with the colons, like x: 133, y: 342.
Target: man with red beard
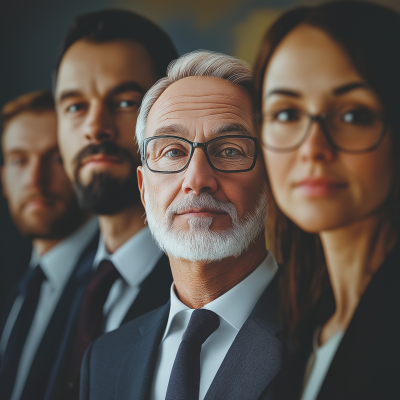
x: 44, y: 207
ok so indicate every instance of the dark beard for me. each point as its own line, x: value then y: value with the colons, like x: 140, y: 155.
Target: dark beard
x: 106, y: 194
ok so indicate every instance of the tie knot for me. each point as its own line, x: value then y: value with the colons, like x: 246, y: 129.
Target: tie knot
x: 32, y: 281
x: 201, y: 325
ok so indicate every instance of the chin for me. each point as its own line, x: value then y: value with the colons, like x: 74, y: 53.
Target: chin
x: 316, y: 221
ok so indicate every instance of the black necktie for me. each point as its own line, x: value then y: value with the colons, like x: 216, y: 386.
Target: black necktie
x: 184, y: 382
x: 29, y: 288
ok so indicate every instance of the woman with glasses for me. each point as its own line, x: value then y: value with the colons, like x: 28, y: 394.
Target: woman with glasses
x: 327, y: 93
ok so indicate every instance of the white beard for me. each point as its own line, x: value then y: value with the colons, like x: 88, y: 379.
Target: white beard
x: 200, y: 243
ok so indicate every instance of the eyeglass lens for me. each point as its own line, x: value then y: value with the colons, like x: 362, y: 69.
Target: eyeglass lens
x: 173, y: 154
x: 350, y: 129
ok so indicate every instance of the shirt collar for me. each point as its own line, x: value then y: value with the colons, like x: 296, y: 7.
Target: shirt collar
x: 59, y: 262
x: 134, y: 259
x: 236, y: 305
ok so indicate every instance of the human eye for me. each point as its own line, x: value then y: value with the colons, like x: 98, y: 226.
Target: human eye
x: 174, y: 153
x: 17, y: 161
x: 75, y: 108
x: 127, y: 104
x: 230, y: 152
x: 285, y: 115
x: 358, y: 116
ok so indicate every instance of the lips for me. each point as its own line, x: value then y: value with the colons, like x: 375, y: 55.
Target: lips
x: 321, y: 186
x: 39, y: 203
x: 201, y: 211
x: 100, y: 159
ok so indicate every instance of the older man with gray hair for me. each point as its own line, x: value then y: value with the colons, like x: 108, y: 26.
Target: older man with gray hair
x: 203, y: 187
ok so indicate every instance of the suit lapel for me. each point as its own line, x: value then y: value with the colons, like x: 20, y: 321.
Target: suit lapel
x: 52, y: 352
x: 154, y: 291
x: 137, y: 369
x: 255, y: 357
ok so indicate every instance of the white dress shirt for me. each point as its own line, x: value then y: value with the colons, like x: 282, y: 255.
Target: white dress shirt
x: 57, y: 265
x: 134, y: 260
x: 233, y: 309
x: 318, y: 364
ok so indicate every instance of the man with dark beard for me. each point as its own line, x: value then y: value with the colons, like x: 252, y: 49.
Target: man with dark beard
x: 108, y: 60
x: 44, y: 207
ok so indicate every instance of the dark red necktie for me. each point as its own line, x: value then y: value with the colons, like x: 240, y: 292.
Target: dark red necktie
x: 91, y: 313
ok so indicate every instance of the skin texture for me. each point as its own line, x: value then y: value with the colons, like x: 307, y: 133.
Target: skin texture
x: 99, y: 89
x: 35, y: 185
x: 349, y: 215
x: 201, y: 105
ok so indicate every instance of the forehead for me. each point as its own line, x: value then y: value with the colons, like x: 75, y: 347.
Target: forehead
x: 200, y: 104
x: 97, y: 67
x: 31, y: 132
x: 309, y: 59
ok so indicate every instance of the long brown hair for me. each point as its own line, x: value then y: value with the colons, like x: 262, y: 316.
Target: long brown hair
x: 370, y: 34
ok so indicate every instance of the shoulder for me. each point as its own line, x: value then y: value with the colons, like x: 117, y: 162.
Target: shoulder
x: 114, y: 344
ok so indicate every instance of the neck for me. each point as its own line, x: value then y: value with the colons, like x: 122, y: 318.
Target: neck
x: 117, y: 229
x: 43, y: 245
x: 353, y: 254
x: 199, y: 283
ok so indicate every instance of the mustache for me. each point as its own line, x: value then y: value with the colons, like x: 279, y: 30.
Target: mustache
x: 199, y: 201
x: 105, y: 148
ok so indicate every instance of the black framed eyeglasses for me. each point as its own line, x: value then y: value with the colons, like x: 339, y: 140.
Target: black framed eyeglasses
x: 172, y: 154
x: 350, y: 130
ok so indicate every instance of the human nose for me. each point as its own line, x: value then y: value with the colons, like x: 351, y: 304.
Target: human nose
x: 316, y: 147
x: 36, y: 175
x: 199, y: 176
x: 99, y: 125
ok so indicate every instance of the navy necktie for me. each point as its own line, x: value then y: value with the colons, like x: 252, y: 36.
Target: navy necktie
x: 184, y: 382
x: 29, y: 288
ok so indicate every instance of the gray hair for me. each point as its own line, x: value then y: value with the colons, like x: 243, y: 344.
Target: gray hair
x: 196, y: 63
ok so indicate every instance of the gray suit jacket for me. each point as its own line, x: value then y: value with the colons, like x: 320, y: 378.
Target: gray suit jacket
x: 120, y: 364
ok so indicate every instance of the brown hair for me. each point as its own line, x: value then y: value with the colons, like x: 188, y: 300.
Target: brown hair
x: 370, y: 35
x: 37, y: 102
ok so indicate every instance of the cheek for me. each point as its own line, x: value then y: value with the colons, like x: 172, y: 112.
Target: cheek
x: 242, y: 189
x: 161, y: 190
x: 279, y: 167
x: 371, y: 178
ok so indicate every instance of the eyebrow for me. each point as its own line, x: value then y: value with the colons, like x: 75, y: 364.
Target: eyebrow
x: 231, y: 128
x: 348, y: 87
x: 129, y: 86
x: 180, y: 130
x: 170, y: 130
x: 284, y: 92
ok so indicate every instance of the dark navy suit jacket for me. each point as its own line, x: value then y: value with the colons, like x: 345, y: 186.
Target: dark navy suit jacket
x: 120, y: 364
x: 46, y: 364
x: 154, y: 292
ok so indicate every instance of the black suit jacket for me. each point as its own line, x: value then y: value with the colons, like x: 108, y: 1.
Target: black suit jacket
x: 120, y: 364
x: 366, y: 365
x: 154, y: 292
x: 53, y: 346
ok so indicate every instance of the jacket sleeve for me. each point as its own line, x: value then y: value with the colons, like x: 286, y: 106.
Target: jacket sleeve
x: 84, y: 393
